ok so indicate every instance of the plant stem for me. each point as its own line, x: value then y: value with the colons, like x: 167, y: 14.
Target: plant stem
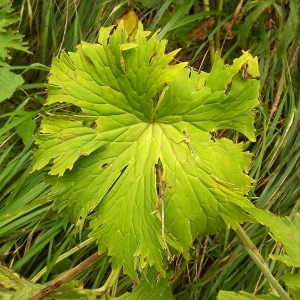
x: 63, y: 279
x: 259, y: 261
x: 211, y: 40
x: 63, y: 256
x: 109, y: 283
x: 218, y: 44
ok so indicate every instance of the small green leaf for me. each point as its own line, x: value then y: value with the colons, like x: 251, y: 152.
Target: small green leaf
x: 25, y: 130
x: 14, y: 287
x: 152, y: 286
x: 293, y: 281
x: 285, y: 231
x: 9, y: 82
x: 26, y: 292
x: 224, y: 295
x: 71, y: 291
x: 7, y: 284
x: 9, y: 38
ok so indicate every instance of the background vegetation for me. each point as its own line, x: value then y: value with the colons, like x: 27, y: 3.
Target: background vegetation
x: 33, y: 241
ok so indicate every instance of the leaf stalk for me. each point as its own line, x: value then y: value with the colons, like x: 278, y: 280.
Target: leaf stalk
x: 63, y: 256
x: 212, y: 48
x: 112, y: 278
x: 259, y: 261
x: 66, y: 277
x: 218, y: 44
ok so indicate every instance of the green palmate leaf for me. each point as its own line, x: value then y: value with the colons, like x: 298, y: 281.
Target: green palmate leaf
x: 140, y: 155
x: 284, y: 231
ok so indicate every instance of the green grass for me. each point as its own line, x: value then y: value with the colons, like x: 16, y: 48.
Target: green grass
x: 33, y: 240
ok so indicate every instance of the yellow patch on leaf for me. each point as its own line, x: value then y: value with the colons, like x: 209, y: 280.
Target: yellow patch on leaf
x: 131, y: 21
